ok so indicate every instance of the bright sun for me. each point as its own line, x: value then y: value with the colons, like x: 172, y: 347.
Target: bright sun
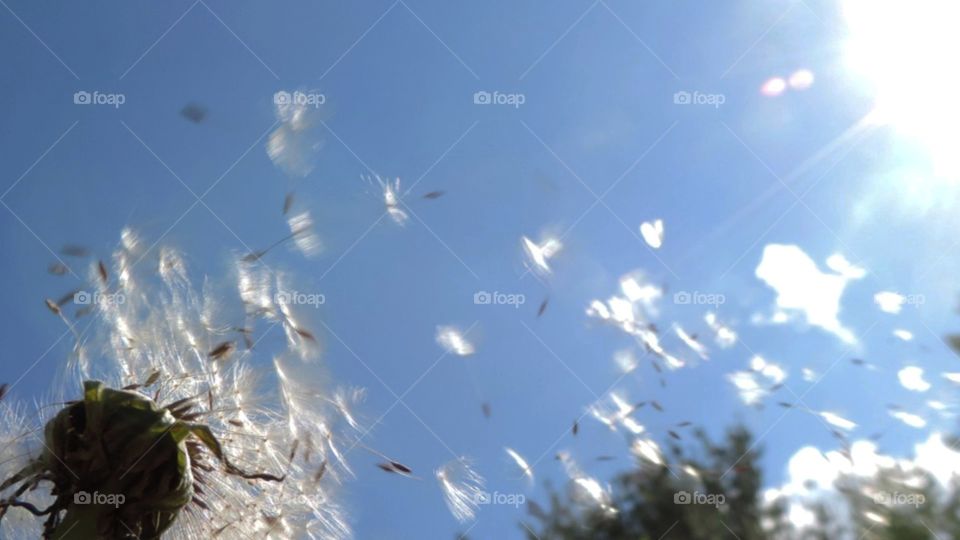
x: 906, y: 50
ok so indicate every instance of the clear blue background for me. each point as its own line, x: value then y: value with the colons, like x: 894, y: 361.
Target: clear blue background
x: 399, y: 80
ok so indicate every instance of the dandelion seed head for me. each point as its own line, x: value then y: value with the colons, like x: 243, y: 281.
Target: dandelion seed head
x: 260, y: 403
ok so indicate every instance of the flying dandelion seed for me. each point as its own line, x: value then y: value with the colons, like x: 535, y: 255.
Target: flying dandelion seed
x: 652, y: 233
x: 462, y: 488
x: 294, y: 144
x: 241, y: 459
x: 724, y: 336
x: 539, y: 255
x: 837, y: 421
x: 585, y: 490
x: 391, y: 198
x: 690, y: 341
x: 521, y: 463
x: 453, y: 341
x: 626, y: 360
x: 304, y: 237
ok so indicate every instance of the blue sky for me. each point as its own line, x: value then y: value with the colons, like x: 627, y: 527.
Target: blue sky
x: 598, y: 118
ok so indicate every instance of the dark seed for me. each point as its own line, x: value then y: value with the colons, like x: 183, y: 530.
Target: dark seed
x: 71, y: 250
x: 401, y: 467
x: 543, y: 306
x: 321, y: 471
x: 102, y: 269
x: 52, y: 306
x: 194, y: 112
x: 221, y: 351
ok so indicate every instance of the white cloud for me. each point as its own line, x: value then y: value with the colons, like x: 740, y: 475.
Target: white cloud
x: 911, y: 378
x: 909, y: 419
x: 754, y: 385
x: 652, y: 233
x: 724, y: 337
x: 889, y: 302
x: 811, y: 474
x: 905, y: 335
x: 839, y: 264
x: 802, y: 288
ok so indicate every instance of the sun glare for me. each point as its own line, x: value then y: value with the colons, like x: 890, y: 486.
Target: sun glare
x: 905, y: 49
